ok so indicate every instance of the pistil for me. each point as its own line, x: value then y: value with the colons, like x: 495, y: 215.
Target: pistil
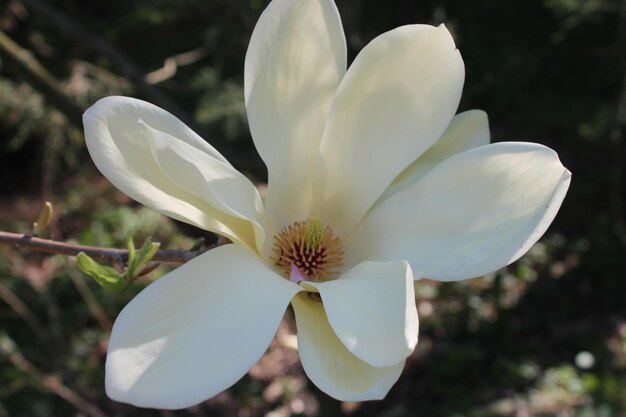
x: 311, y: 248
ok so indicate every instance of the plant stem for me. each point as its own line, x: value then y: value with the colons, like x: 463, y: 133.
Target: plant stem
x: 50, y: 382
x: 39, y: 77
x: 109, y: 254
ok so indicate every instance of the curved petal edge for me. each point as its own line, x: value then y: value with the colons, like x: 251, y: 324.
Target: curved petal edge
x: 372, y: 310
x: 327, y: 362
x: 472, y: 214
x: 196, y: 331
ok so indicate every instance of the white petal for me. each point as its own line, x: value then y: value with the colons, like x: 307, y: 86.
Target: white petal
x: 474, y: 213
x: 328, y: 363
x: 296, y: 58
x: 467, y: 130
x: 395, y: 101
x: 205, y: 177
x: 123, y: 134
x: 196, y: 331
x: 372, y: 310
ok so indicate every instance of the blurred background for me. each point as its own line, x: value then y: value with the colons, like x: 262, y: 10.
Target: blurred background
x: 545, y: 336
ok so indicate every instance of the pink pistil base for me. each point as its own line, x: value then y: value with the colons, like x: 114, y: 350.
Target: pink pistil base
x: 296, y: 276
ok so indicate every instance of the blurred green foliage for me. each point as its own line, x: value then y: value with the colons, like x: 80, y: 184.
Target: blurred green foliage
x: 515, y: 343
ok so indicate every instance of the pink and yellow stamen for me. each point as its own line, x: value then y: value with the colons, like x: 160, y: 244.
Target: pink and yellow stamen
x: 309, y: 247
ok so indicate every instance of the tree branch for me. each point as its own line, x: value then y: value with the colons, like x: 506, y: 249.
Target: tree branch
x: 51, y: 382
x: 79, y: 33
x: 171, y: 64
x: 108, y: 254
x: 37, y: 76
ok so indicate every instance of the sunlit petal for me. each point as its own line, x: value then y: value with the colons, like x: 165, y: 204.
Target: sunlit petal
x: 295, y: 60
x: 196, y: 331
x: 395, y: 101
x: 209, y: 179
x: 121, y: 134
x: 474, y: 213
x: 372, y: 310
x: 330, y: 365
x: 467, y: 130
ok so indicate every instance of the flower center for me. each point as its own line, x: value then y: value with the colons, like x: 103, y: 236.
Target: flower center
x: 310, y: 247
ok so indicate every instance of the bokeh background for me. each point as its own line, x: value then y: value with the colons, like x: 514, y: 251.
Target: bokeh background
x: 545, y: 336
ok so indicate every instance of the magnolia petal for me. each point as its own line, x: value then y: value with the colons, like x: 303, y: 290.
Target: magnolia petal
x: 205, y: 177
x: 196, y: 331
x: 474, y: 213
x: 121, y: 134
x: 467, y: 130
x: 395, y: 101
x: 296, y: 58
x: 330, y: 365
x: 372, y: 310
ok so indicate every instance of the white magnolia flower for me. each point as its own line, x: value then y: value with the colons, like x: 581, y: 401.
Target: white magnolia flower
x: 373, y: 182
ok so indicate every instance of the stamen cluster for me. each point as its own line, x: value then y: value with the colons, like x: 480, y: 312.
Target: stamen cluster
x: 310, y: 247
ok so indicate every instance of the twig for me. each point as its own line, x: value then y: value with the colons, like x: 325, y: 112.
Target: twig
x: 171, y: 64
x: 108, y: 254
x: 25, y: 312
x: 93, y: 305
x: 125, y: 66
x: 78, y: 33
x: 55, y: 323
x: 50, y: 382
x: 40, y: 79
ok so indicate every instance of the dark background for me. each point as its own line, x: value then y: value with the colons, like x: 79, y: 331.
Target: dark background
x: 546, y: 336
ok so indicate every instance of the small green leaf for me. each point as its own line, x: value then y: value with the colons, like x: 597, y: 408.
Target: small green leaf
x: 39, y: 227
x: 131, y: 251
x: 103, y: 275
x: 140, y: 258
x: 146, y: 253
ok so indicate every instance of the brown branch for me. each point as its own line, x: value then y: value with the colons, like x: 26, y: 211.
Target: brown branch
x: 37, y: 76
x: 50, y: 382
x: 22, y: 309
x: 80, y: 33
x: 171, y: 64
x: 77, y: 32
x: 109, y: 254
